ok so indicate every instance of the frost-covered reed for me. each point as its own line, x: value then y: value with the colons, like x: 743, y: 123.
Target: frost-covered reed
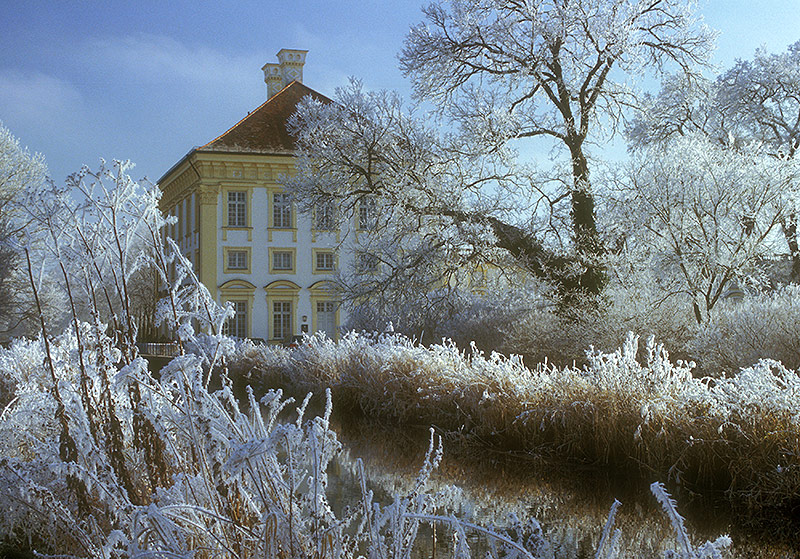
x: 211, y: 480
x: 632, y: 409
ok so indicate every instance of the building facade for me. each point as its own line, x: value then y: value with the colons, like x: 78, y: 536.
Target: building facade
x: 242, y: 232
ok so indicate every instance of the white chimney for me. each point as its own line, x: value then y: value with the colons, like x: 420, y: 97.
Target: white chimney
x: 288, y: 69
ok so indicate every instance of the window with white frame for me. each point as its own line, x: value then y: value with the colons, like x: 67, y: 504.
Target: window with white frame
x: 237, y: 209
x: 282, y: 260
x: 237, y: 326
x: 367, y: 263
x: 281, y: 320
x: 324, y: 261
x: 281, y: 211
x: 367, y: 209
x: 325, y: 216
x: 237, y: 259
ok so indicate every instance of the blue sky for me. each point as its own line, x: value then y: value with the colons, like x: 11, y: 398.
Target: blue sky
x: 147, y: 81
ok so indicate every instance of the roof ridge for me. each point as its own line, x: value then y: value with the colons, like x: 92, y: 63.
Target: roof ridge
x: 240, y: 121
x: 265, y: 126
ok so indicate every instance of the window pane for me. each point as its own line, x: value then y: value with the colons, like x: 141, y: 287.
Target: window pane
x: 241, y: 319
x: 325, y: 216
x: 282, y: 320
x: 237, y: 326
x: 326, y: 318
x: 367, y: 262
x: 281, y: 211
x: 325, y: 261
x: 366, y: 213
x: 237, y: 260
x: 237, y: 209
x: 281, y: 260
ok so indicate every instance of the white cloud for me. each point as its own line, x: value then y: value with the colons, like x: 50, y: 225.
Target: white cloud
x: 34, y: 98
x: 159, y: 59
x: 49, y: 115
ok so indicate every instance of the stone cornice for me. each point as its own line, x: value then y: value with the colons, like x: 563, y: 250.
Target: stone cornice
x: 177, y: 185
x: 201, y: 168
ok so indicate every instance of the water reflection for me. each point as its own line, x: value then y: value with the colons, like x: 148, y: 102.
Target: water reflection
x: 571, y: 506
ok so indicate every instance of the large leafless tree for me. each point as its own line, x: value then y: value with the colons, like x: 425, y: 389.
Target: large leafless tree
x: 449, y: 186
x: 551, y: 68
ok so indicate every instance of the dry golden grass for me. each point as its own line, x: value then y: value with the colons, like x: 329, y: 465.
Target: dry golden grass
x: 738, y: 435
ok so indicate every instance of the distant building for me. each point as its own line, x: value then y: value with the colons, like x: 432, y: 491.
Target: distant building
x: 241, y: 232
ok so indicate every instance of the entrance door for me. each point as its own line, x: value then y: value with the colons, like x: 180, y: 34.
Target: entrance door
x: 326, y: 318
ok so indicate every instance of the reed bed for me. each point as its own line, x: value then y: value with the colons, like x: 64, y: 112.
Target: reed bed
x: 632, y: 409
x: 101, y: 459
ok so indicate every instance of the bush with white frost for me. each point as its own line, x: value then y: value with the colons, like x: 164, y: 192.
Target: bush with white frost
x: 761, y: 326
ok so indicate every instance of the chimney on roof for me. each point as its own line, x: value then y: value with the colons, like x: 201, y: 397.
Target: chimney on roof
x: 288, y: 69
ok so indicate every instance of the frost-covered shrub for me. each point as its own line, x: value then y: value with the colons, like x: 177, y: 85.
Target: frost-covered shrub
x: 763, y: 326
x: 484, y: 321
x: 460, y: 315
x: 514, y: 314
x: 562, y: 337
x: 545, y: 336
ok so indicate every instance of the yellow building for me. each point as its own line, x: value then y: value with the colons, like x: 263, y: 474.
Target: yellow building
x: 241, y: 231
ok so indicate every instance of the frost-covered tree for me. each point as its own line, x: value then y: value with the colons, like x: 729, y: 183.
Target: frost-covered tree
x: 762, y: 96
x: 422, y: 224
x: 505, y: 70
x: 20, y: 171
x: 682, y: 107
x: 7, y: 263
x: 754, y: 102
x: 447, y: 192
x: 23, y: 175
x: 702, y: 213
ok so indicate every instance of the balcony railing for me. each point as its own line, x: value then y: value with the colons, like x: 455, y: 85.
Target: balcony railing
x: 153, y: 349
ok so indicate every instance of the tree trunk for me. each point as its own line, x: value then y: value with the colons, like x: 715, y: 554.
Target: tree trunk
x: 588, y: 245
x: 789, y: 227
x: 532, y: 255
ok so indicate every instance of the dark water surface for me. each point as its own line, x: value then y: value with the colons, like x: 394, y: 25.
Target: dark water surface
x: 571, y: 505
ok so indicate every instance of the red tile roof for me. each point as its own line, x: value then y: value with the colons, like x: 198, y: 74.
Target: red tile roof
x: 264, y: 129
